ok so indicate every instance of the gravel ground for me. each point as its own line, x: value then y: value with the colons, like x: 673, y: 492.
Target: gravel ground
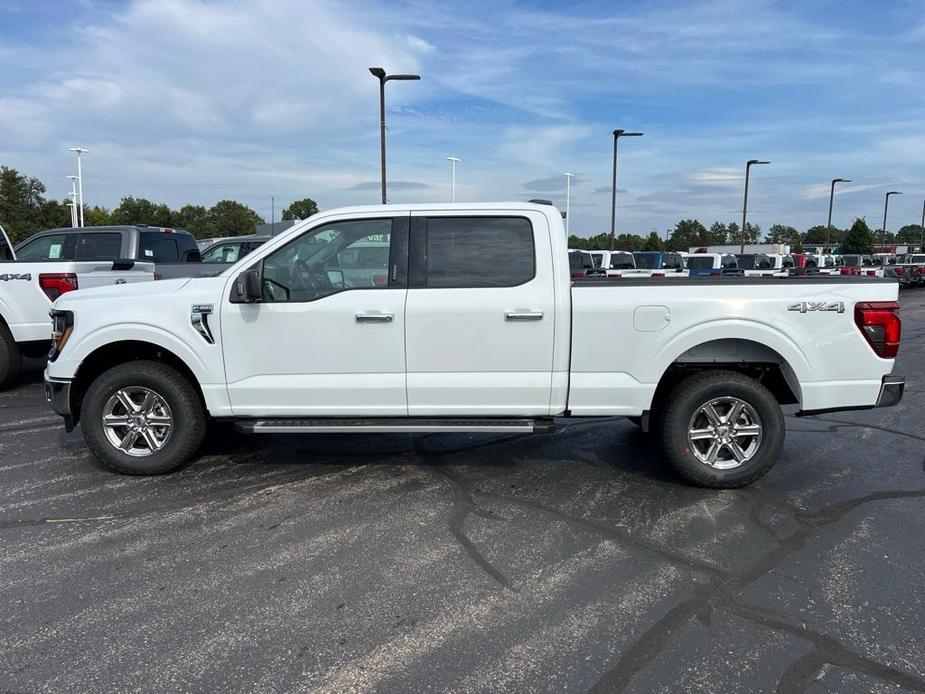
x: 571, y: 561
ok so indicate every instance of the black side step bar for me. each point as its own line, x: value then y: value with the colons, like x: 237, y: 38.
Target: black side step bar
x: 377, y: 425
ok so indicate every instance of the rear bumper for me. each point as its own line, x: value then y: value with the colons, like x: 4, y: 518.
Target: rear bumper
x: 58, y: 393
x: 891, y: 393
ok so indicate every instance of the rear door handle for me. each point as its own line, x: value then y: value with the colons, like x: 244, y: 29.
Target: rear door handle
x: 523, y: 315
x: 373, y: 317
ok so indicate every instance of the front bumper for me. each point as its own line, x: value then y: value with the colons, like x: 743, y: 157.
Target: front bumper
x: 58, y: 393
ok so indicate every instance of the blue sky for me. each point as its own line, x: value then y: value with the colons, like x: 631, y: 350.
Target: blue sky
x: 190, y: 101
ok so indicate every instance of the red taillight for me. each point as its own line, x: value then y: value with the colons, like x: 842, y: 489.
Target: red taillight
x: 879, y: 322
x: 716, y: 273
x: 871, y: 273
x: 658, y: 274
x: 54, y: 284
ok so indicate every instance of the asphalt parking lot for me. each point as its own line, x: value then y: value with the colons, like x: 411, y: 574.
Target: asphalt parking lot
x: 564, y: 562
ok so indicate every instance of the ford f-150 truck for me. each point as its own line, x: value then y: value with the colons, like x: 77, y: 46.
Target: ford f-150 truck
x: 438, y: 336
x: 28, y: 288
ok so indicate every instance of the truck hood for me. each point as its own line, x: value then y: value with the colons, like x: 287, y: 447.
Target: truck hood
x: 123, y: 291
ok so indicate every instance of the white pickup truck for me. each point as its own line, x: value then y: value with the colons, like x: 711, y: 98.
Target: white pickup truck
x: 28, y: 288
x: 438, y: 336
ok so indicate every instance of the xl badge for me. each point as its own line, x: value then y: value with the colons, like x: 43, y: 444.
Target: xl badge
x: 807, y: 306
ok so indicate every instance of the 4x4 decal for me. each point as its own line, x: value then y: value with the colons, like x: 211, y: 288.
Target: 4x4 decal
x: 7, y: 276
x: 807, y: 306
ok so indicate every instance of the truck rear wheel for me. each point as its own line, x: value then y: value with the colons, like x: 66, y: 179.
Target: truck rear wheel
x: 721, y: 429
x: 10, y: 358
x: 143, y: 418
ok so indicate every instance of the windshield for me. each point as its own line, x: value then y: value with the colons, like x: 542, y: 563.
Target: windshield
x: 597, y: 259
x: 579, y: 261
x: 647, y: 261
x: 851, y: 261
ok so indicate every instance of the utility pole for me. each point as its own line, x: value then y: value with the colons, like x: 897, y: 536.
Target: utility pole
x: 748, y: 165
x: 453, y: 162
x: 381, y: 75
x: 568, y: 199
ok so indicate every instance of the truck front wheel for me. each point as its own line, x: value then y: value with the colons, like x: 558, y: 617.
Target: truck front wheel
x: 143, y: 418
x: 721, y: 429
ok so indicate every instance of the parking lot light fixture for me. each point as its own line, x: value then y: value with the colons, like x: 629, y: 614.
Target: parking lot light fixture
x: 922, y: 239
x: 380, y: 74
x: 617, y: 134
x: 568, y: 197
x: 73, y: 202
x: 886, y: 205
x: 828, y: 226
x: 80, y: 181
x: 748, y: 165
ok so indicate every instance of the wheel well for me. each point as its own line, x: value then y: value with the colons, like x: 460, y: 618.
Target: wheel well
x: 749, y: 358
x: 117, y: 353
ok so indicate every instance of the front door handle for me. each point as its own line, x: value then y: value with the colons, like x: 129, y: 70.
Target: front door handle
x: 523, y: 315
x: 373, y: 317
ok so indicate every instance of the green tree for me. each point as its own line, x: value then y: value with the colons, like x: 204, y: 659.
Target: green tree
x: 193, y: 218
x: 780, y: 233
x: 97, y: 216
x: 23, y: 207
x: 653, y: 242
x: 132, y: 210
x: 686, y: 234
x: 859, y: 238
x: 717, y: 234
x: 578, y: 242
x: 231, y: 218
x: 628, y: 242
x: 301, y: 209
x: 911, y: 233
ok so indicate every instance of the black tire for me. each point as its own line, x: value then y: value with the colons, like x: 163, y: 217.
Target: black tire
x: 186, y: 410
x: 10, y: 357
x: 721, y: 387
x: 635, y: 421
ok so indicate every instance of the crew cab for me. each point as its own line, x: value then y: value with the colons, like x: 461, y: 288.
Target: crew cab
x: 450, y: 340
x: 29, y: 285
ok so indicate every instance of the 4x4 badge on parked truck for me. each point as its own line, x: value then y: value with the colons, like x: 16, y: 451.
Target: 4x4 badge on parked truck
x: 807, y: 306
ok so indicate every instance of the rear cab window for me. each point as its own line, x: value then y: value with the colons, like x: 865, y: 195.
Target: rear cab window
x: 167, y: 247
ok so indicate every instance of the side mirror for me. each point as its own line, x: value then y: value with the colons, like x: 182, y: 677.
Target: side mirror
x: 336, y: 278
x: 247, y: 287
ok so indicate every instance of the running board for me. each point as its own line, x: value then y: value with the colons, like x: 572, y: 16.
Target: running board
x: 331, y: 425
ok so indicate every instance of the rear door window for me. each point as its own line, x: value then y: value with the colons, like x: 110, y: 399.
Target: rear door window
x: 480, y: 252
x: 99, y: 245
x: 48, y: 247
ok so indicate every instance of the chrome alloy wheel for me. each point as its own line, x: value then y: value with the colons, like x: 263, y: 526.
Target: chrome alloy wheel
x: 724, y: 433
x: 137, y: 421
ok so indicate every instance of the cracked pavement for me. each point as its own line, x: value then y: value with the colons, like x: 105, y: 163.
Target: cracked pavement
x: 570, y: 561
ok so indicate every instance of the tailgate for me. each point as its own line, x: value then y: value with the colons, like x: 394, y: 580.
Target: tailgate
x: 102, y: 273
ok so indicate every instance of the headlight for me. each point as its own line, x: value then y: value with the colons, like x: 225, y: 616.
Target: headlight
x: 62, y: 324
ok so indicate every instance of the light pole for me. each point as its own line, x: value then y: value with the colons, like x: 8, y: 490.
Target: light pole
x: 748, y: 166
x: 828, y: 226
x: 886, y: 205
x: 453, y: 162
x: 922, y: 240
x: 80, y: 181
x: 617, y: 134
x: 568, y: 198
x: 72, y: 196
x: 73, y: 203
x: 380, y: 74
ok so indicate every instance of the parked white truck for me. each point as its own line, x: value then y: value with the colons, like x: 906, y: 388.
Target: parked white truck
x: 29, y: 285
x: 439, y: 336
